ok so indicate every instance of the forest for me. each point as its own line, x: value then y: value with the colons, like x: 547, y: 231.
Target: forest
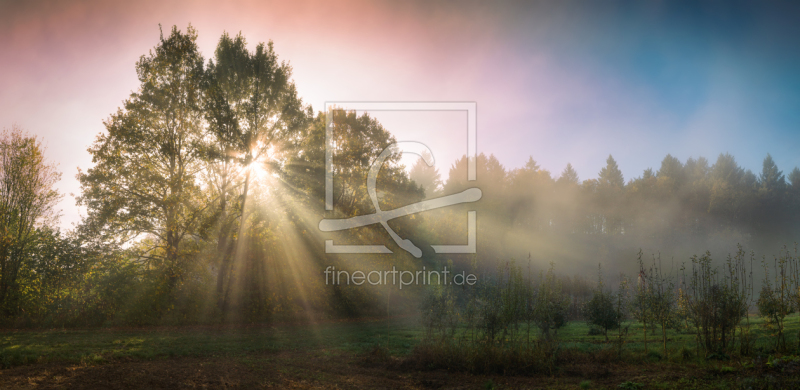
x: 203, y: 202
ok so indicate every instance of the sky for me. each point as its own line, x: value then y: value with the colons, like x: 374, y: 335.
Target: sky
x: 557, y: 81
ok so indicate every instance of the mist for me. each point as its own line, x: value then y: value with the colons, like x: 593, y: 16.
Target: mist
x: 679, y: 209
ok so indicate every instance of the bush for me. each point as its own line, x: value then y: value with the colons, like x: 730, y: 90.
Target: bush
x: 550, y: 304
x: 775, y: 300
x: 600, y: 310
x: 716, y: 303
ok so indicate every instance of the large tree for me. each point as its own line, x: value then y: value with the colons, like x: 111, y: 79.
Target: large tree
x: 610, y: 175
x: 610, y: 186
x: 143, y: 182
x: 770, y: 216
x: 252, y: 109
x: 771, y: 178
x: 27, y: 202
x: 794, y: 179
x: 569, y: 175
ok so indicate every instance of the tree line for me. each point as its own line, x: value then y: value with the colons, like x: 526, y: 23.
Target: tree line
x: 680, y: 209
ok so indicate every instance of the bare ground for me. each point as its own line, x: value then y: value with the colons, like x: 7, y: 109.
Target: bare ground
x: 319, y: 369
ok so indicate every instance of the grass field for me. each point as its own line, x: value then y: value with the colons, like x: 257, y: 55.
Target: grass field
x: 99, y: 345
x: 343, y: 355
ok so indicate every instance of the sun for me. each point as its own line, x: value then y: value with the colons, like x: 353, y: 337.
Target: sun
x: 257, y: 168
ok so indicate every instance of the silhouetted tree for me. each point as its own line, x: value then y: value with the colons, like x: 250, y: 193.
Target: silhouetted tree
x: 425, y: 176
x: 610, y: 175
x: 569, y: 175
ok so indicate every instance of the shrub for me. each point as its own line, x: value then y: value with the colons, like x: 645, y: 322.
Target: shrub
x: 439, y: 316
x: 550, y: 304
x: 600, y: 310
x: 716, y: 305
x: 775, y: 301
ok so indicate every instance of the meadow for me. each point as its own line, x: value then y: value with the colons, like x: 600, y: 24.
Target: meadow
x: 376, y: 353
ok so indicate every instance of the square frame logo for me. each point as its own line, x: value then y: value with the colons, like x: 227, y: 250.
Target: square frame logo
x: 383, y: 216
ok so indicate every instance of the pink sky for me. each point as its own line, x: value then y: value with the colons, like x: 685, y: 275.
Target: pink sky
x: 71, y: 64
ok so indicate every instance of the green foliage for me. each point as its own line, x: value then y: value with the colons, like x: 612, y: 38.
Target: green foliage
x: 771, y: 179
x: 641, y: 301
x: 500, y: 310
x: 80, y: 346
x: 622, y: 309
x: 775, y: 301
x: 794, y: 179
x: 485, y: 358
x: 772, y: 305
x: 717, y: 305
x: 630, y: 385
x: 610, y: 175
x: 210, y: 176
x: 252, y: 109
x: 549, y: 304
x: 337, y: 340
x: 206, y: 192
x: 662, y: 300
x: 27, y: 201
x: 143, y: 182
x: 682, y: 204
x: 439, y: 315
x: 654, y: 301
x: 600, y: 310
x: 569, y: 175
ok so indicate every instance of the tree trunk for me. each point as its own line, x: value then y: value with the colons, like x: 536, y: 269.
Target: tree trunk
x: 238, y: 246
x: 222, y: 248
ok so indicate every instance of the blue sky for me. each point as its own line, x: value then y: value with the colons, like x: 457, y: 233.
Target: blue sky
x: 669, y: 78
